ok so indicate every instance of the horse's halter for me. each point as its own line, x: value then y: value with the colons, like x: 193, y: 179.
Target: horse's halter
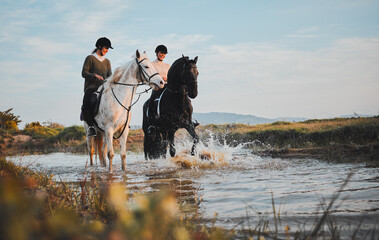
x: 142, y: 70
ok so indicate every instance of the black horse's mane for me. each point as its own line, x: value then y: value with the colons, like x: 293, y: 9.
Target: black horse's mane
x: 176, y: 67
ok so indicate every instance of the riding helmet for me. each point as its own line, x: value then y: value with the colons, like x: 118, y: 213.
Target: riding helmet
x: 161, y: 48
x: 103, y: 42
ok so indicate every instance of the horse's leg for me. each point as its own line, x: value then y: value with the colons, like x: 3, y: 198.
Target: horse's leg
x: 108, y: 135
x: 99, y: 145
x: 123, y: 139
x: 145, y: 147
x: 191, y: 130
x: 170, y: 138
x: 104, y: 151
x: 91, y: 150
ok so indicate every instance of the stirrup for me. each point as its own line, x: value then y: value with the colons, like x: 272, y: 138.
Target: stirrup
x: 195, y: 123
x: 91, y: 132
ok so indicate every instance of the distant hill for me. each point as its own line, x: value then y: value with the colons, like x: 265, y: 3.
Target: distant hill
x: 224, y: 118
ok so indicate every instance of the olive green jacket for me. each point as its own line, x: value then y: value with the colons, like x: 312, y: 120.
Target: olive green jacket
x: 93, y: 66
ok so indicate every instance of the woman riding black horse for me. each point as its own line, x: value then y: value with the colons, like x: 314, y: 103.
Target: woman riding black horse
x: 171, y: 110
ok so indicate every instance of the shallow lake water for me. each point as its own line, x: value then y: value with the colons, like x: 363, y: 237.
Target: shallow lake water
x: 238, y: 185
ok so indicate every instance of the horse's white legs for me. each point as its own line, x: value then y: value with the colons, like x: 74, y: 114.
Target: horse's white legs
x: 108, y: 137
x: 104, y: 150
x: 123, y: 139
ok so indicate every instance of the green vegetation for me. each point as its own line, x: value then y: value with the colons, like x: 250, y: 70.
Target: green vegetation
x: 36, y: 130
x: 51, y: 137
x: 8, y: 121
x: 338, y: 139
x: 318, y: 132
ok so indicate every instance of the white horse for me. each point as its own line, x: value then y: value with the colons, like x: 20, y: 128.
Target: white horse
x: 114, y: 110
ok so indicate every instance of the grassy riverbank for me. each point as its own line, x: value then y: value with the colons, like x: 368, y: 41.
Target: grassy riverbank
x: 339, y: 139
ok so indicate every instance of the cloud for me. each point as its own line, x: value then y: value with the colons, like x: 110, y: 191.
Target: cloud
x: 47, y: 41
x: 269, y: 80
x: 306, y: 33
x: 93, y: 17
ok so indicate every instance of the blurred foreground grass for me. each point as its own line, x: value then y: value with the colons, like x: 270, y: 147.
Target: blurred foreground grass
x: 32, y: 206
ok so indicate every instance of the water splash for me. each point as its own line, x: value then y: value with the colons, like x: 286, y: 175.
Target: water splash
x: 210, y: 153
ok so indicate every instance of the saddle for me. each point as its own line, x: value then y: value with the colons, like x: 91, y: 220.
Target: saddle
x: 92, y: 104
x: 95, y: 101
x: 155, y: 99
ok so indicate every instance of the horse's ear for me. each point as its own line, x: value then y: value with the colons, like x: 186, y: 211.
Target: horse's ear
x: 137, y: 54
x: 195, y: 60
x: 182, y: 55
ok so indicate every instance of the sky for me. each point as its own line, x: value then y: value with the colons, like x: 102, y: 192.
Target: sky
x: 294, y: 58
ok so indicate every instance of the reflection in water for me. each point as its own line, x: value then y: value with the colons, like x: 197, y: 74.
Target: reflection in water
x: 236, y: 184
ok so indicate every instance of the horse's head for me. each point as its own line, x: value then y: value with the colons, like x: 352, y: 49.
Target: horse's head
x: 147, y: 72
x: 189, y: 76
x: 183, y: 74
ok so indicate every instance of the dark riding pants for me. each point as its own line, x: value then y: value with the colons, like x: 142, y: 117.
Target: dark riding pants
x: 87, y: 107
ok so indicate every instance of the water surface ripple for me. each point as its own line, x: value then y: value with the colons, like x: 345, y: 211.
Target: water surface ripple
x: 242, y: 186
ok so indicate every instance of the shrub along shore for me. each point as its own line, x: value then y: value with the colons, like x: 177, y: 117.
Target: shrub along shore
x: 337, y: 140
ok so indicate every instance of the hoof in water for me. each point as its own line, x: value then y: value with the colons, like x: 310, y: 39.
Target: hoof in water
x: 172, y: 152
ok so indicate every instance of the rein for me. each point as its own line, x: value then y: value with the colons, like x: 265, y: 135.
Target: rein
x: 143, y: 75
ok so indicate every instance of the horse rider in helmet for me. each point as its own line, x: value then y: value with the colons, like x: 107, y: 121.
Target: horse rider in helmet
x: 161, y: 67
x: 96, y: 69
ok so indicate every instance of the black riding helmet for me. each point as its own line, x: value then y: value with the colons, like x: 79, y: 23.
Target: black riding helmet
x: 161, y: 48
x: 103, y: 42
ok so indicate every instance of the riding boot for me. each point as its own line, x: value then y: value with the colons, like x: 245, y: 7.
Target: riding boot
x: 91, y: 132
x: 87, y: 113
x: 195, y: 123
x: 153, y: 106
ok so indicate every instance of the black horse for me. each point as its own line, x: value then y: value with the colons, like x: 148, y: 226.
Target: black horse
x: 170, y: 108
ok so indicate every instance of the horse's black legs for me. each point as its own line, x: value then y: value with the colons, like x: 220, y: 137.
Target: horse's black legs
x: 192, y: 132
x: 171, y: 141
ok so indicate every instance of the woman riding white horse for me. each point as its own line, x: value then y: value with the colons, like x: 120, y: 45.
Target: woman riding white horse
x: 116, y: 101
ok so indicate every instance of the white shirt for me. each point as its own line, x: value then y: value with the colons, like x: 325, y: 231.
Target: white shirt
x: 161, y: 67
x: 100, y: 58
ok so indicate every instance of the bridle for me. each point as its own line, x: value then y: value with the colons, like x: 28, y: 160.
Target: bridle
x: 144, y: 76
x: 142, y: 70
x: 183, y: 79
